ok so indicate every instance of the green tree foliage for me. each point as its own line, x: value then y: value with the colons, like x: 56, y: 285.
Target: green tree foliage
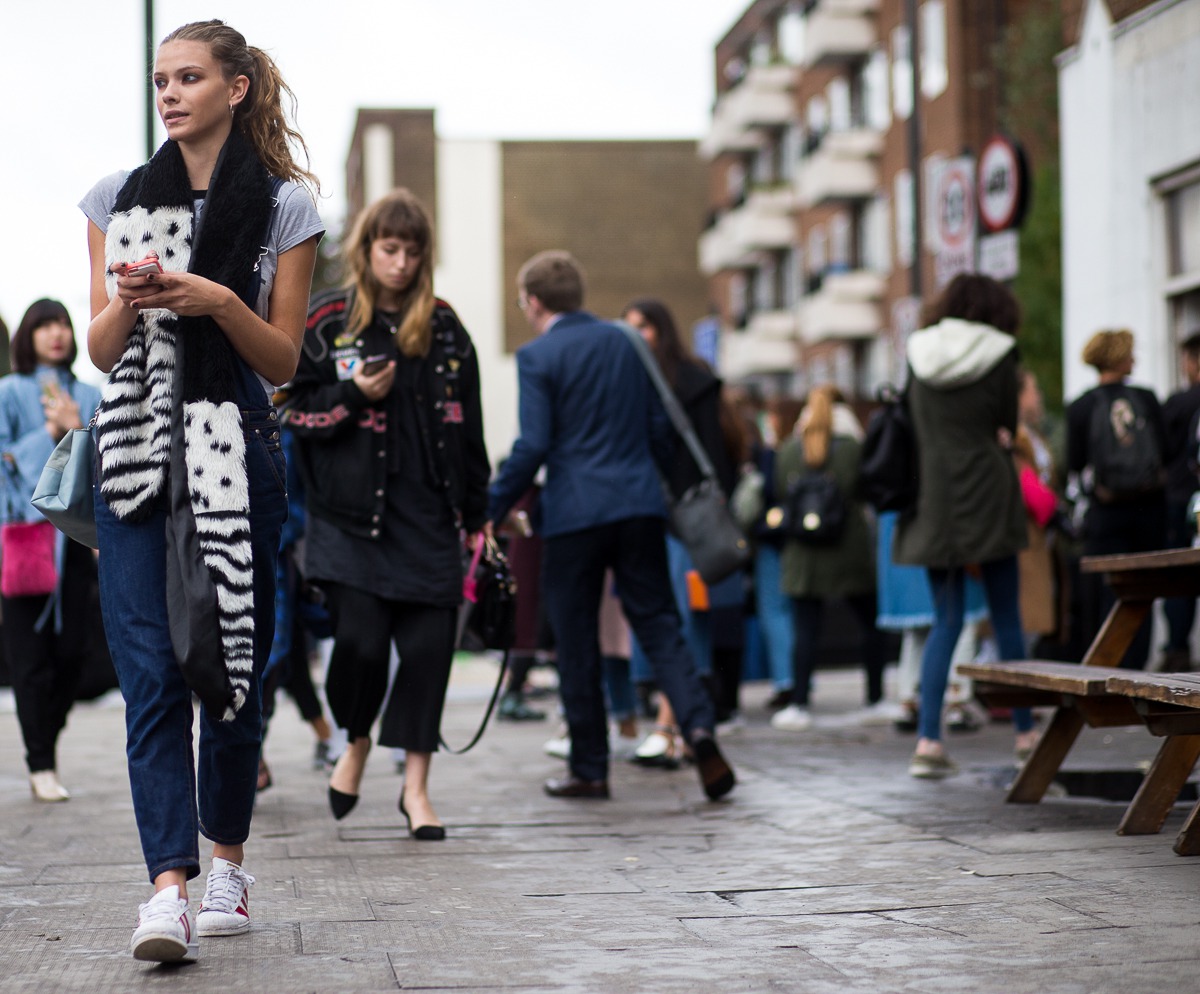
x: 1029, y: 113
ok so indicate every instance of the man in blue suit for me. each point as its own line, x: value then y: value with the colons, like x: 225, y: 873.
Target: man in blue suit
x: 589, y: 413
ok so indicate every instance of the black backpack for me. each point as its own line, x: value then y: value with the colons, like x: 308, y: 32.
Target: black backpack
x: 1124, y: 451
x: 814, y: 509
x: 888, y: 473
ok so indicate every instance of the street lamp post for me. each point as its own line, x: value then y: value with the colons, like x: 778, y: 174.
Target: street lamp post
x: 150, y: 110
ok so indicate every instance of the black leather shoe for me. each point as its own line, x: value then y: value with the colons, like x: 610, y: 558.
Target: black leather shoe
x: 341, y: 804
x: 716, y: 775
x: 596, y: 790
x: 422, y: 833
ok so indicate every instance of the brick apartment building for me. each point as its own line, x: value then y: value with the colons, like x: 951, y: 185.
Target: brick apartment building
x: 630, y: 211
x: 833, y: 213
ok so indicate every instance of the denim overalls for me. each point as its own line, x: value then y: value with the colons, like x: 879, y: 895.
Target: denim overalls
x: 169, y: 807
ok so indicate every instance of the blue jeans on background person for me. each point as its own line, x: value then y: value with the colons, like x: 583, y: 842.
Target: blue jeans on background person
x: 1000, y: 584
x: 618, y: 685
x: 635, y: 550
x: 173, y: 800
x: 774, y: 611
x: 697, y: 631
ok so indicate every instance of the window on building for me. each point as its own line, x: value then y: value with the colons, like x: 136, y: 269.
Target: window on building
x: 902, y: 72
x: 876, y: 110
x: 737, y: 300
x: 838, y: 94
x: 816, y: 255
x: 791, y: 148
x: 873, y: 238
x: 841, y: 249
x: 816, y: 120
x: 764, y: 164
x: 1183, y: 229
x: 790, y: 35
x: 1181, y: 202
x: 765, y: 285
x: 735, y: 183
x: 761, y: 50
x: 792, y: 277
x: 902, y: 197
x: 934, y: 75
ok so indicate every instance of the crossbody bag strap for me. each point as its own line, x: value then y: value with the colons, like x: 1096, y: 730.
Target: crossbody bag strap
x: 674, y: 410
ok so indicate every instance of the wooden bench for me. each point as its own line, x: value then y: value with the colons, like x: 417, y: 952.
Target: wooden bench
x: 1169, y: 705
x: 1080, y: 696
x: 1126, y: 697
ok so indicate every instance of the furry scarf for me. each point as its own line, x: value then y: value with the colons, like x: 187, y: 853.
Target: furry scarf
x: 154, y: 212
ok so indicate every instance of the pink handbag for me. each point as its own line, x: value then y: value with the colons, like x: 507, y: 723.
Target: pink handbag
x: 27, y: 566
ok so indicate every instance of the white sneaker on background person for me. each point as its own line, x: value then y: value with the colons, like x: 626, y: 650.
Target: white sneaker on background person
x: 879, y: 713
x: 166, y: 930
x: 792, y: 718
x: 225, y: 908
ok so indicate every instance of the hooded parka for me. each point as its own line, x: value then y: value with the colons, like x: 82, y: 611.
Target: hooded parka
x: 963, y: 391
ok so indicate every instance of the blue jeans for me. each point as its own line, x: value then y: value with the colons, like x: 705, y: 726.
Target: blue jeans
x: 1000, y: 585
x: 774, y: 612
x: 635, y: 550
x: 618, y: 685
x: 158, y: 704
x: 697, y: 628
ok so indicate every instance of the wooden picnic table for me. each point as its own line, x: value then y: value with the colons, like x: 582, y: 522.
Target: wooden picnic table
x: 1097, y: 693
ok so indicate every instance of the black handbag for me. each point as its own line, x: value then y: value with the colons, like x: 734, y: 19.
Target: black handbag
x: 889, y: 473
x: 487, y: 618
x: 701, y: 518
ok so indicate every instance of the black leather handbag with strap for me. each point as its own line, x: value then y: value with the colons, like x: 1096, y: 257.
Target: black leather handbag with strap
x: 700, y: 518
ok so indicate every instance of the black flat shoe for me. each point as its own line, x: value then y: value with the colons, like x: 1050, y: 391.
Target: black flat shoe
x: 423, y: 833
x: 341, y: 804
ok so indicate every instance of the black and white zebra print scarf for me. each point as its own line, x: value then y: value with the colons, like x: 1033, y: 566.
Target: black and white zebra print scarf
x: 154, y: 212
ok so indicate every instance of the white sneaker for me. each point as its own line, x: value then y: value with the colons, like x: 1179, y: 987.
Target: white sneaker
x: 559, y: 748
x: 733, y: 725
x: 792, y: 718
x: 46, y: 788
x: 621, y: 748
x: 225, y: 909
x: 879, y: 713
x: 166, y: 930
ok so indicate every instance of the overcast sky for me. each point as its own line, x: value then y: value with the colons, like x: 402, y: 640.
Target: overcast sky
x: 73, y: 81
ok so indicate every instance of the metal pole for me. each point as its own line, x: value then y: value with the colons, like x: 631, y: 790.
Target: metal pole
x: 914, y: 147
x: 151, y: 114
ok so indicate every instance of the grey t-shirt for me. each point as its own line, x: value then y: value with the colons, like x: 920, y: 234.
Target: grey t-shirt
x: 293, y: 220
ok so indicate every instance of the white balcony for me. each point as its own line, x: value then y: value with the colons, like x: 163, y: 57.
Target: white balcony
x: 763, y: 99
x: 839, y: 31
x: 775, y: 326
x: 745, y: 354
x: 845, y: 307
x: 763, y: 223
x: 843, y: 167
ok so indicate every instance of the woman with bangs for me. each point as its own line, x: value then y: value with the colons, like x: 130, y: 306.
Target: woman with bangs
x: 47, y: 633
x: 386, y: 413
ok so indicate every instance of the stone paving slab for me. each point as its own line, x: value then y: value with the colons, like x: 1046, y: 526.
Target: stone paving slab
x: 829, y: 870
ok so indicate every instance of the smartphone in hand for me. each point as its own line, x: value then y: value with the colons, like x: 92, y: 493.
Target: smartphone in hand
x: 144, y: 267
x: 373, y: 364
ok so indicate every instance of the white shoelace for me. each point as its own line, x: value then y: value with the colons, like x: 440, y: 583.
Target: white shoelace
x: 225, y: 889
x: 165, y: 909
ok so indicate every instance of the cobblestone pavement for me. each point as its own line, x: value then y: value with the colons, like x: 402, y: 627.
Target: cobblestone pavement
x: 829, y: 869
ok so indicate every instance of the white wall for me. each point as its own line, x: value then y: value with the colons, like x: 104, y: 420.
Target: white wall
x: 469, y: 274
x: 1128, y: 114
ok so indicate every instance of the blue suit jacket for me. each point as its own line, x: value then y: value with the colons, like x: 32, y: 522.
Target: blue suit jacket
x: 589, y: 412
